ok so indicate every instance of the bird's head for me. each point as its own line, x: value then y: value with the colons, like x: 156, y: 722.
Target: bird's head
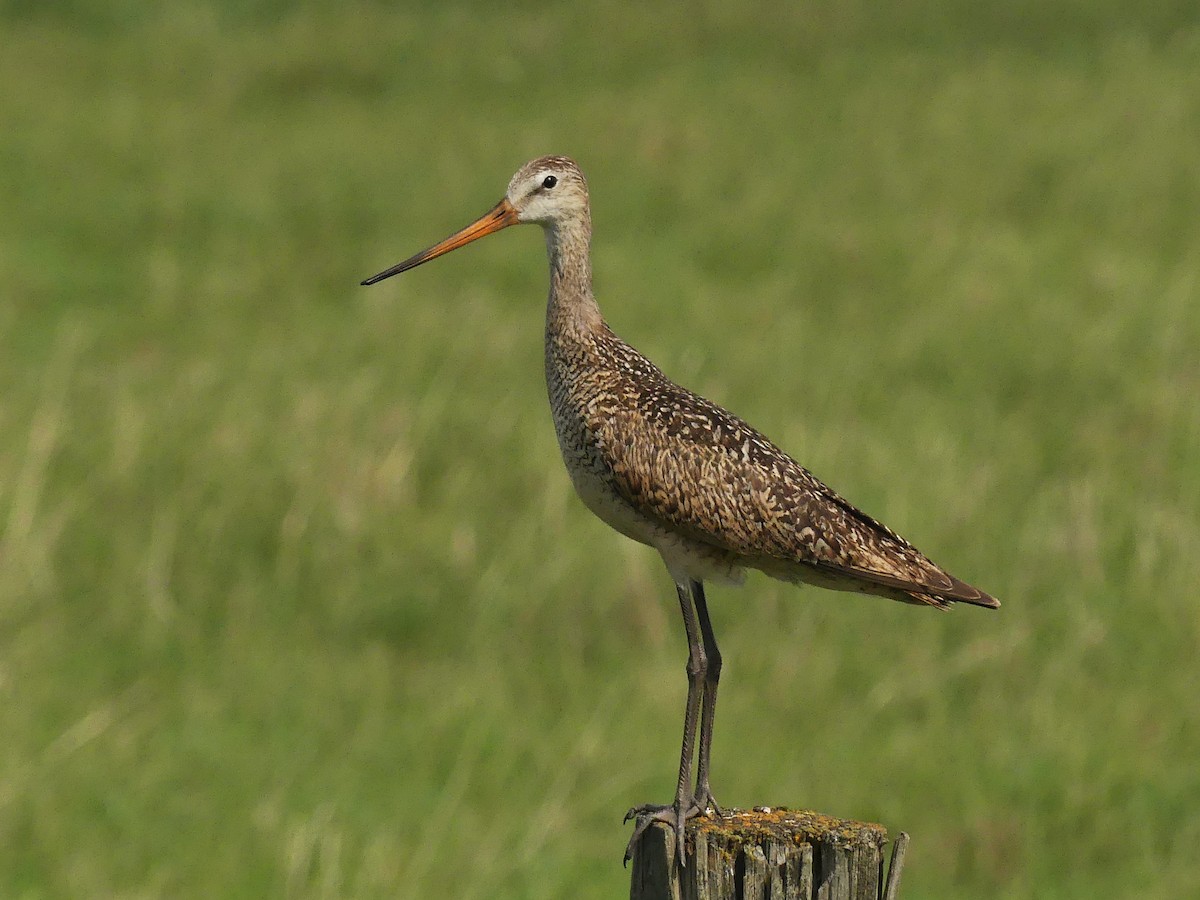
x: 549, y: 191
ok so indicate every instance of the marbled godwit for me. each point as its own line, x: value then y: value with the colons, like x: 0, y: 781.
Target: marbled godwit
x: 668, y: 468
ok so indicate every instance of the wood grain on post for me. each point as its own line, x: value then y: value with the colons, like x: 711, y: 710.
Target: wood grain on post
x: 767, y: 854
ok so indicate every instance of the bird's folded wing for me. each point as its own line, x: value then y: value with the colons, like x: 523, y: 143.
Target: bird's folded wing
x: 698, y: 469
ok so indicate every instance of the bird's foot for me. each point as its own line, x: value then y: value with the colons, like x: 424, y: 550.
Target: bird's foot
x: 706, y: 802
x: 675, y: 815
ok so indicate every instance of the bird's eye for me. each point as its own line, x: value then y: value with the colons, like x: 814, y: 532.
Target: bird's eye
x: 549, y: 181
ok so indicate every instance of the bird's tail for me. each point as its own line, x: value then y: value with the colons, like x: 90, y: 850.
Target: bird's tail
x: 960, y: 592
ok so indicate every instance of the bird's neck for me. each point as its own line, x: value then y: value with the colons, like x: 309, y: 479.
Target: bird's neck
x: 572, y: 307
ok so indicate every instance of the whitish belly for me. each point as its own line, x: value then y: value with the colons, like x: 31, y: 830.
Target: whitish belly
x: 687, y: 559
x: 598, y: 495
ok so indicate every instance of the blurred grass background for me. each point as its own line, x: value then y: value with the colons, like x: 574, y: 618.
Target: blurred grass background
x: 295, y: 599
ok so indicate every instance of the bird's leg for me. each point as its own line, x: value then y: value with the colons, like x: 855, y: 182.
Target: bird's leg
x: 684, y: 806
x: 703, y: 797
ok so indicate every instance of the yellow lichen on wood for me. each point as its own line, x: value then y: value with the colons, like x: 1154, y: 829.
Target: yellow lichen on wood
x: 796, y: 826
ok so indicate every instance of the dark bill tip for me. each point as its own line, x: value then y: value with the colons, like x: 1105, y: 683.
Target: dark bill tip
x: 499, y: 216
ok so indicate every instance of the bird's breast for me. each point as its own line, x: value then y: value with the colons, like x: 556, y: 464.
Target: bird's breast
x: 581, y: 398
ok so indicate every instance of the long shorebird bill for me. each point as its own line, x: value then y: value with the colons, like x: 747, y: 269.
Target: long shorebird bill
x: 499, y: 216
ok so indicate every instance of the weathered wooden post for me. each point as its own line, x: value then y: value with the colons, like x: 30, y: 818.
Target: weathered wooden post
x: 768, y: 854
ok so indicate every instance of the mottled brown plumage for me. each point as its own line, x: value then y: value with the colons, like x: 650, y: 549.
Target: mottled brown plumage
x: 697, y: 475
x: 670, y: 469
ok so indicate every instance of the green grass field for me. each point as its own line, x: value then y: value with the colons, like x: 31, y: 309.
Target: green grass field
x: 295, y: 599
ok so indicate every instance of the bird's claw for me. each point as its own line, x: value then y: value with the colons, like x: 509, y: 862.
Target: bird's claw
x: 706, y: 803
x: 675, y: 816
x: 644, y: 809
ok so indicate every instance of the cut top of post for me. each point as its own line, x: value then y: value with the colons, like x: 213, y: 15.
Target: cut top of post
x: 765, y: 824
x: 777, y: 853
